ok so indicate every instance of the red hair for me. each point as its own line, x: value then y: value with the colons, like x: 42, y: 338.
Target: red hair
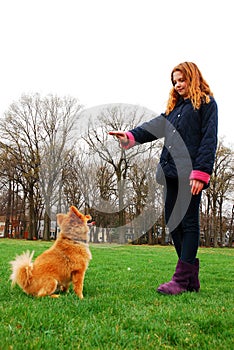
x: 199, y: 90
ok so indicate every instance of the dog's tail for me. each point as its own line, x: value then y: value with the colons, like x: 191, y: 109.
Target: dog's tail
x: 22, y: 268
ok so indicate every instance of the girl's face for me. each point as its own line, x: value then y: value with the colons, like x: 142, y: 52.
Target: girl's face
x: 180, y: 84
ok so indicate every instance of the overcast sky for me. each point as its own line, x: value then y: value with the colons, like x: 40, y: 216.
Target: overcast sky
x: 106, y: 51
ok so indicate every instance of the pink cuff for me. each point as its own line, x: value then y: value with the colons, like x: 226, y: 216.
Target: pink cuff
x: 199, y: 175
x: 131, y: 141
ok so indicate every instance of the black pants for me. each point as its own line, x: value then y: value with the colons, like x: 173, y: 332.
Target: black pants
x: 182, y: 218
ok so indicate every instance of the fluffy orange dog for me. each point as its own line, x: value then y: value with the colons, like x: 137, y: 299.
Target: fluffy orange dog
x: 64, y: 263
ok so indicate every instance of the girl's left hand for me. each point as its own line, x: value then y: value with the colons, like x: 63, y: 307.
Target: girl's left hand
x: 196, y: 186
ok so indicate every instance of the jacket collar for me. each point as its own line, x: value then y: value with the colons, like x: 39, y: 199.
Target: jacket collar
x: 182, y: 101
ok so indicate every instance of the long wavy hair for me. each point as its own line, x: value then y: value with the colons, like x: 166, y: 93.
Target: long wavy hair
x: 198, y: 90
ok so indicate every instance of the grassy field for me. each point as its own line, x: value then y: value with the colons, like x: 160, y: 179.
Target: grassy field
x: 121, y: 309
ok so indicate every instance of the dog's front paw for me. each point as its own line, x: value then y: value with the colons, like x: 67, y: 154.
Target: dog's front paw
x: 63, y: 289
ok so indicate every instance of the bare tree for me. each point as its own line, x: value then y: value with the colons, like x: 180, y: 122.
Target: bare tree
x: 231, y: 229
x: 218, y: 192
x: 20, y: 131
x: 146, y: 195
x: 78, y: 180
x: 35, y: 133
x: 58, y: 117
x: 116, y: 117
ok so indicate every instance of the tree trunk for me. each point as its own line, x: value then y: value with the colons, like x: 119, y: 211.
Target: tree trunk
x: 121, y: 228
x: 163, y: 242
x: 231, y: 230
x: 214, y: 227
x: 32, y: 217
x: 8, y: 212
x: 47, y: 223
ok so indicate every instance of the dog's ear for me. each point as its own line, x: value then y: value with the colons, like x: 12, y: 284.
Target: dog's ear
x: 60, y: 218
x: 83, y: 218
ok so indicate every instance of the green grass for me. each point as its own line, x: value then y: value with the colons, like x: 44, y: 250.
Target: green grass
x: 121, y: 309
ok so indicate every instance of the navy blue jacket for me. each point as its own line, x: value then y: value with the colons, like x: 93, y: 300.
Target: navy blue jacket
x: 190, y: 138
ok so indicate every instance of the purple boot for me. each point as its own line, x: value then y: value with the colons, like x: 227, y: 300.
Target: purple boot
x: 194, y: 284
x: 180, y: 280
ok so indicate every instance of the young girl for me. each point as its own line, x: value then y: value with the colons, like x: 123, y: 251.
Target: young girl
x: 189, y: 127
